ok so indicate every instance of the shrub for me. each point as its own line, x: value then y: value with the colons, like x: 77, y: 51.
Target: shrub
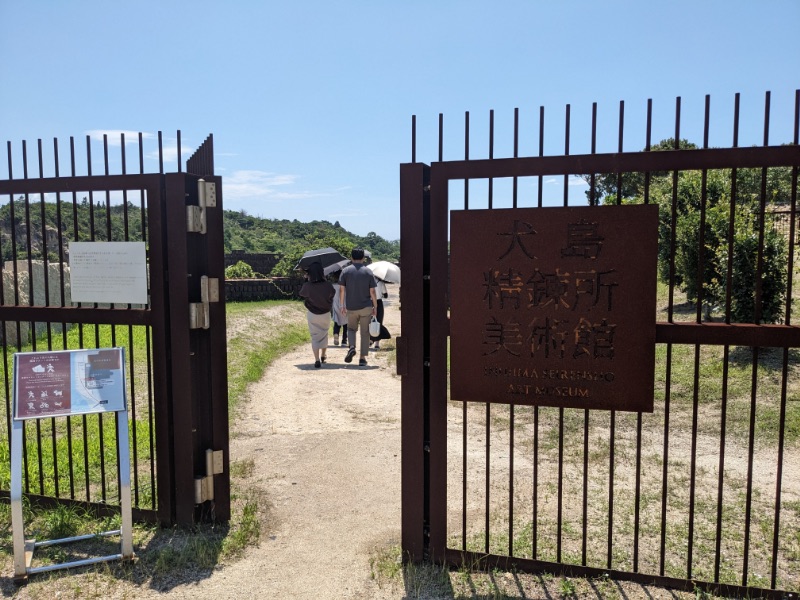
x: 241, y: 270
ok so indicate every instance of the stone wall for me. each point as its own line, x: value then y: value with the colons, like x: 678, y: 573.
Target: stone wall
x: 23, y: 296
x: 262, y: 262
x: 272, y: 288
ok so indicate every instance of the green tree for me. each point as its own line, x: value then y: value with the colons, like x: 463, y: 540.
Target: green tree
x: 682, y: 201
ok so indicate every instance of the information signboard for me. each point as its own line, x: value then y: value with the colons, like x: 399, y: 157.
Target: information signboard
x: 554, y: 306
x: 108, y: 272
x: 63, y: 383
x: 68, y: 382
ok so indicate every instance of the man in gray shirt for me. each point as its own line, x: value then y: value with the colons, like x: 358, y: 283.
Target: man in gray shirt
x: 359, y: 302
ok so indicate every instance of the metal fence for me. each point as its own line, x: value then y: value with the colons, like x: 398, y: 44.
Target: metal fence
x: 702, y: 492
x: 49, y: 198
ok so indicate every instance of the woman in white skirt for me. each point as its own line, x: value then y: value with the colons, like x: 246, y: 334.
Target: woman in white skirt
x: 318, y: 293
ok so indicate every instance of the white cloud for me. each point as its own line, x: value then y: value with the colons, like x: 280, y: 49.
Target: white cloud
x: 251, y: 185
x: 114, y: 136
x: 573, y: 180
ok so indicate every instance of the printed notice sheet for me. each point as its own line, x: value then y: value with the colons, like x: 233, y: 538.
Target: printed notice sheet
x: 108, y: 272
x: 68, y: 382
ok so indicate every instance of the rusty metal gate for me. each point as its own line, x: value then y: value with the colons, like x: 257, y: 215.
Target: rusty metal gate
x: 175, y: 344
x: 703, y: 492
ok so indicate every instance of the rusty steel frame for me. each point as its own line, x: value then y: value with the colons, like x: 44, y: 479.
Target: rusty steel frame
x: 422, y: 349
x: 186, y: 370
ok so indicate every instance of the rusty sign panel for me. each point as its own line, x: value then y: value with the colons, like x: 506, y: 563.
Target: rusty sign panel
x: 554, y: 306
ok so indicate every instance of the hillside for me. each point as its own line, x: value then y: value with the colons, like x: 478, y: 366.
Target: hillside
x: 292, y: 238
x: 241, y: 231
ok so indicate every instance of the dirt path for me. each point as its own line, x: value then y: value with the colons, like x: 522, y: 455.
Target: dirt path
x: 325, y: 444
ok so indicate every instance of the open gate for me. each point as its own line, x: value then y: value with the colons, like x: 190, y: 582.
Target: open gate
x: 699, y: 493
x: 175, y: 344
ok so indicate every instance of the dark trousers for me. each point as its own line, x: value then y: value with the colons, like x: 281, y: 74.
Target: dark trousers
x: 337, y: 327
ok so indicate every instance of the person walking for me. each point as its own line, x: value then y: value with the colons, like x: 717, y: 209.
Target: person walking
x: 318, y: 295
x: 359, y: 303
x: 380, y: 293
x: 339, y: 319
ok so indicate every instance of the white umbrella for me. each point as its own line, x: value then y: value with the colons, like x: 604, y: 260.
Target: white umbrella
x: 388, y: 272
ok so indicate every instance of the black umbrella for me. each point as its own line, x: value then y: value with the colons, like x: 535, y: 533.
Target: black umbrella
x: 324, y: 256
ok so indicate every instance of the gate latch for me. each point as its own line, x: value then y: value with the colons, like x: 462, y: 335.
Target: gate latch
x: 196, y: 215
x: 199, y: 317
x: 204, y: 486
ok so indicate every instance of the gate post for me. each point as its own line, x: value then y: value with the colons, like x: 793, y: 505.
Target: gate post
x: 198, y: 357
x: 422, y: 362
x: 414, y: 179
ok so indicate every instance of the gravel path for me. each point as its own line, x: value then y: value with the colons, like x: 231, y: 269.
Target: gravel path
x: 326, y: 448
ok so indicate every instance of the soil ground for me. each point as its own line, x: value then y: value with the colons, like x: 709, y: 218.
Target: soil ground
x: 322, y: 452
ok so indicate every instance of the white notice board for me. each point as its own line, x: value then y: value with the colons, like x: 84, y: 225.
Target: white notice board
x: 108, y: 272
x: 68, y: 382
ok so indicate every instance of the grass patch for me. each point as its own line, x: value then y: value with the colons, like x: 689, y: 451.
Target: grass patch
x: 261, y: 332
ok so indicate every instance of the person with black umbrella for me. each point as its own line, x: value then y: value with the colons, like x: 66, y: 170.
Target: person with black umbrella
x: 318, y: 294
x: 359, y: 303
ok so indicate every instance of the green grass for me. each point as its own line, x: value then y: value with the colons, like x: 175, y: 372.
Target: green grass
x: 253, y: 348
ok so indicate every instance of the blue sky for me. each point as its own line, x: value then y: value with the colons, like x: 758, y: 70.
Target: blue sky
x: 310, y: 102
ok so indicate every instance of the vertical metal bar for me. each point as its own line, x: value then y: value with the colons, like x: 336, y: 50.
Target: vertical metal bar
x: 511, y: 479
x: 516, y: 155
x: 535, y: 527
x: 46, y: 276
x: 693, y: 460
x: 5, y: 325
x: 665, y: 464
x: 762, y: 209
x: 560, y: 499
x: 638, y: 490
x: 585, y: 511
x: 464, y: 416
x: 566, y: 153
x: 674, y: 216
x: 699, y: 318
x: 750, y: 454
x: 487, y: 509
x: 593, y: 200
x: 413, y: 138
x: 726, y: 350
x: 638, y: 496
x: 466, y: 157
x: 785, y: 366
x: 32, y: 302
x: 491, y: 157
x: 63, y: 302
x: 702, y: 233
x: 611, y: 460
x: 721, y: 480
x: 441, y: 137
x: 130, y: 353
x: 757, y: 313
x: 647, y: 148
x: 180, y: 159
x: 732, y: 216
x: 144, y: 216
x: 619, y: 148
x: 541, y: 153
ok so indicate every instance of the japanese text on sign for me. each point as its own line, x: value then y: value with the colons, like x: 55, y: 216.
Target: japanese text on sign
x: 555, y: 306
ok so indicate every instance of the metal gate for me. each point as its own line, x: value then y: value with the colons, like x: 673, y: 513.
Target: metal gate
x: 175, y: 344
x: 704, y: 491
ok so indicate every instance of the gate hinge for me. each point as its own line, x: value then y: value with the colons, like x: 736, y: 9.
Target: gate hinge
x: 199, y: 316
x: 196, y: 215
x: 204, y: 486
